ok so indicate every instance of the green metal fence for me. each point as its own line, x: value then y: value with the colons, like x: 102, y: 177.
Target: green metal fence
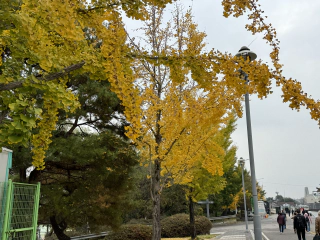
x: 19, y: 210
x: 3, y: 198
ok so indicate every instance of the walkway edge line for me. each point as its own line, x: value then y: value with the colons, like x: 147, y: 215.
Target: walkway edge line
x: 265, y: 236
x: 252, y: 234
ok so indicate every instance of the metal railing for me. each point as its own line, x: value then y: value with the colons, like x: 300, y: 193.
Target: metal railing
x: 222, y: 217
x: 89, y: 236
x: 19, y: 211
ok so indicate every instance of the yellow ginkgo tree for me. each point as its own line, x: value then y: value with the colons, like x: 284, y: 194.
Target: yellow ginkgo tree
x: 180, y: 93
x: 168, y: 86
x: 42, y: 43
x: 200, y: 180
x: 176, y: 117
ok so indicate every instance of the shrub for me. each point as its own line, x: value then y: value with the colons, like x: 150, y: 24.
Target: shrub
x: 132, y: 231
x: 203, y: 225
x: 140, y: 221
x: 175, y: 226
x: 179, y: 226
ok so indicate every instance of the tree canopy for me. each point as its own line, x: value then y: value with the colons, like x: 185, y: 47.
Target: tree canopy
x: 42, y: 45
x: 175, y: 94
x: 89, y: 162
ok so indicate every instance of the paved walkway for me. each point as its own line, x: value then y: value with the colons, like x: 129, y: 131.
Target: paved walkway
x: 234, y: 231
x: 234, y: 236
x: 270, y: 230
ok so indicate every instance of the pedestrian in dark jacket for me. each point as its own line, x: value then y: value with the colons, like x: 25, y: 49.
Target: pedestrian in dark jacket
x: 285, y: 219
x: 281, y: 222
x: 299, y: 225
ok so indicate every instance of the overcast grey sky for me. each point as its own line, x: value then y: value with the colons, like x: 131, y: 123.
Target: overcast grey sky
x: 285, y: 142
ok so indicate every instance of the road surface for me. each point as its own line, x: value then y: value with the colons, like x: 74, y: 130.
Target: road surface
x: 270, y: 230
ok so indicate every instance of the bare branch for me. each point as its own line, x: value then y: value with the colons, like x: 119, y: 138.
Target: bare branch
x: 74, y: 126
x: 173, y: 143
x: 150, y: 127
x: 49, y: 77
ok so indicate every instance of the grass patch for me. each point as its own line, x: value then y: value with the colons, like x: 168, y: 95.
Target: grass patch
x: 199, y: 237
x: 202, y: 237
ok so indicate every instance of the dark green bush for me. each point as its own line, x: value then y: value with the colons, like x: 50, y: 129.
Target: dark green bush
x: 175, y: 226
x: 132, y: 231
x: 203, y: 225
x: 179, y: 226
x: 140, y: 221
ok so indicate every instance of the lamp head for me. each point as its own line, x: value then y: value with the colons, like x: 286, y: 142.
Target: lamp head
x: 245, y: 52
x: 241, y: 161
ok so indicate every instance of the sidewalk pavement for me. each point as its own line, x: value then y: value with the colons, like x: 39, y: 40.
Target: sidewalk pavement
x: 234, y: 235
x: 270, y: 230
x: 233, y: 231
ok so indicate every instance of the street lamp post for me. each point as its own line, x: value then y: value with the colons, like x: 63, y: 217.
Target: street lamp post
x: 246, y: 53
x: 241, y: 163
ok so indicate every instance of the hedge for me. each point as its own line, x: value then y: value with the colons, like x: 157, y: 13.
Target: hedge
x: 179, y: 226
x: 132, y: 231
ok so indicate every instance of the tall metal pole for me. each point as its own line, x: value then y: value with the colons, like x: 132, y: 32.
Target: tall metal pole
x: 244, y: 198
x: 256, y: 216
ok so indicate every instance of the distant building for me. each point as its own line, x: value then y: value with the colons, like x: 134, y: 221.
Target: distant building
x: 287, y: 204
x: 314, y: 197
x: 279, y: 206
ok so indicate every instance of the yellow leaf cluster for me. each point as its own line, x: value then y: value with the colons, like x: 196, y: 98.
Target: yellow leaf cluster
x: 45, y: 37
x: 165, y: 85
x: 176, y: 105
x: 235, y: 200
x: 292, y: 90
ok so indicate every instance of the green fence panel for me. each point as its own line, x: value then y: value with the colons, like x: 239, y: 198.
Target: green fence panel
x: 3, y: 200
x: 21, y: 211
x: 6, y: 212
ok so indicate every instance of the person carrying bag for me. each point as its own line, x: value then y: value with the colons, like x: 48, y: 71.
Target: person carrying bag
x: 317, y: 227
x: 300, y: 225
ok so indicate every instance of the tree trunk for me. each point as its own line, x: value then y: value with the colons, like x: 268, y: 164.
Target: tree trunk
x: 156, y: 228
x: 34, y: 175
x: 59, y: 228
x: 23, y: 174
x: 193, y: 232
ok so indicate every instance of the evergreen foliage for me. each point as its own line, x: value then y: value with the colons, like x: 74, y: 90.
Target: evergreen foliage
x: 139, y: 196
x: 86, y: 180
x: 89, y: 163
x: 173, y: 198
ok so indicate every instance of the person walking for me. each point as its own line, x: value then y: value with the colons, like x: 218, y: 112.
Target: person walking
x: 299, y: 225
x: 285, y: 219
x: 292, y: 212
x: 280, y: 220
x: 317, y: 224
x: 308, y: 221
x: 293, y: 216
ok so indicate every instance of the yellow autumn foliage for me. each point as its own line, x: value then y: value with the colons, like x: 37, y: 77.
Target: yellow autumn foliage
x: 41, y: 42
x: 44, y: 38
